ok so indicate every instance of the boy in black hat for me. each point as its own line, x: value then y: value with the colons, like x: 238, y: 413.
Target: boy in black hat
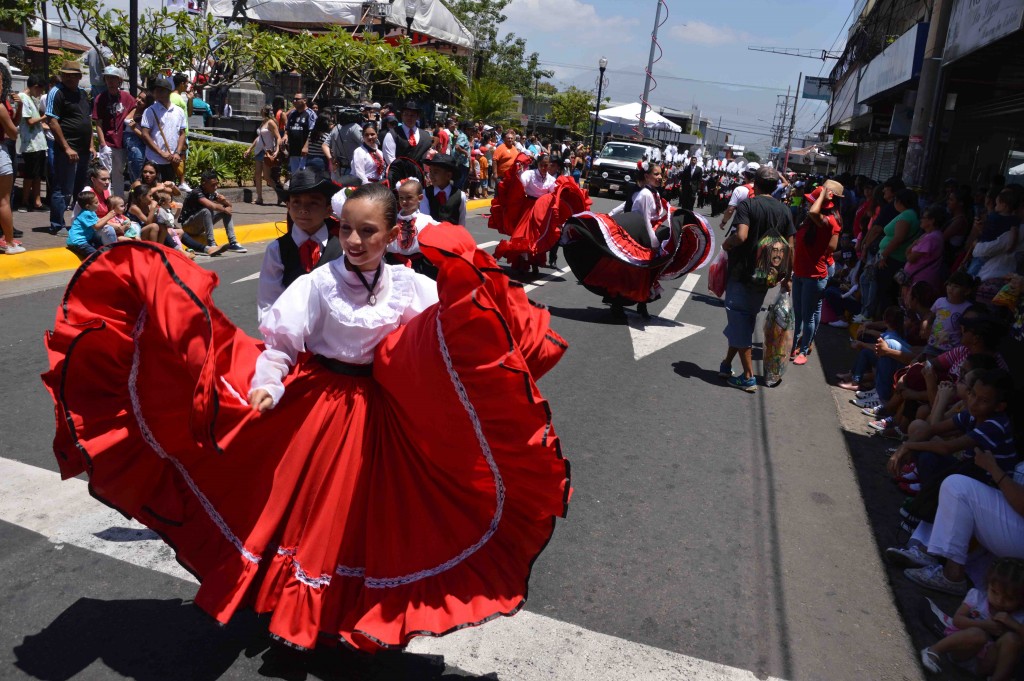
x: 311, y: 241
x: 443, y: 202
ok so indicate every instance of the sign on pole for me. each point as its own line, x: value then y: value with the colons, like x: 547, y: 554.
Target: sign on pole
x: 817, y: 88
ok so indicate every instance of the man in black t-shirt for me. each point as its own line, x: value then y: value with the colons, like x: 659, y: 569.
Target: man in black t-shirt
x: 69, y: 115
x: 297, y: 128
x: 754, y: 218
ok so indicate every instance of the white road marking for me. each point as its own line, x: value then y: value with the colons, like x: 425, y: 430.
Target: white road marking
x: 546, y: 279
x: 527, y: 647
x: 249, y: 278
x: 659, y: 332
x: 487, y: 244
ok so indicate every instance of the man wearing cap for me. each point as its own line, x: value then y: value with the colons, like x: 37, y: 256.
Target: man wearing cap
x: 68, y: 113
x: 443, y: 201
x: 741, y: 192
x: 407, y: 140
x: 298, y: 127
x: 110, y: 109
x: 163, y: 131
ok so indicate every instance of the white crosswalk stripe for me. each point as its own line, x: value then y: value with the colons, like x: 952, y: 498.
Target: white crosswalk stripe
x: 526, y: 647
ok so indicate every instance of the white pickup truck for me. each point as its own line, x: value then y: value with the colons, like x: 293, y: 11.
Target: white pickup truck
x: 615, y: 170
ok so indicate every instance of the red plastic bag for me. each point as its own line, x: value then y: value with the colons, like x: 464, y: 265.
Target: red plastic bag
x: 718, y: 274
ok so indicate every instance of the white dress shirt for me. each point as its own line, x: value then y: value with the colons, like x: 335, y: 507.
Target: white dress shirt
x: 646, y: 204
x: 419, y: 221
x: 388, y: 146
x: 164, y: 125
x: 363, y: 165
x: 327, y: 313
x: 270, y: 287
x: 536, y: 183
x: 447, y: 191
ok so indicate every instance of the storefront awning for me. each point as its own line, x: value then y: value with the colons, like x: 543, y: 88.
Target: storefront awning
x: 897, y: 65
x: 978, y: 23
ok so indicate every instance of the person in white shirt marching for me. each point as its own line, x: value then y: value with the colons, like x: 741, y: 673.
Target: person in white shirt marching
x: 367, y: 160
x: 309, y: 243
x: 740, y: 193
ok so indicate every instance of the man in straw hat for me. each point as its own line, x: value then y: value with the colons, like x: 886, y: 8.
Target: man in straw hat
x: 69, y: 115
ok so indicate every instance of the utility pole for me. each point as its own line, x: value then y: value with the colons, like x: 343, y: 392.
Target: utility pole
x: 916, y: 163
x: 792, y: 120
x: 650, y: 65
x: 46, y: 49
x: 133, y: 47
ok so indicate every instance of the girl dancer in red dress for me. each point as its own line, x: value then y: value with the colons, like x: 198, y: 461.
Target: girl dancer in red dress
x: 530, y: 207
x: 383, y: 467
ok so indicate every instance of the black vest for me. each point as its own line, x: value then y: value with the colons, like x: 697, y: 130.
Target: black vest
x: 449, y: 212
x: 404, y: 149
x: 293, y: 263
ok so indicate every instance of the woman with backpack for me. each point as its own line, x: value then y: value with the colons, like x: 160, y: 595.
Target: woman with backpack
x: 816, y: 238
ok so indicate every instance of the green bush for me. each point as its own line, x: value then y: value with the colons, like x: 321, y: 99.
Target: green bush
x: 228, y: 160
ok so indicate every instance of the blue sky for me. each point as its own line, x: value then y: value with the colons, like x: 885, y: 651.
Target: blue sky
x: 702, y: 41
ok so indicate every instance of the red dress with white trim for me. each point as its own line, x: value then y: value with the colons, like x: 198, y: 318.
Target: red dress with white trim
x: 530, y: 208
x: 624, y: 258
x: 404, y: 482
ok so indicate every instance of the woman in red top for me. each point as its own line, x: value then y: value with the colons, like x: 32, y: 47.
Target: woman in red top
x: 813, y: 244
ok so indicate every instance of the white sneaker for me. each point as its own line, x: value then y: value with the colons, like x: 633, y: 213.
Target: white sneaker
x: 867, y: 402
x: 911, y: 556
x: 184, y: 188
x: 860, y: 319
x: 14, y: 249
x: 840, y: 324
x: 866, y: 394
x: 930, y: 661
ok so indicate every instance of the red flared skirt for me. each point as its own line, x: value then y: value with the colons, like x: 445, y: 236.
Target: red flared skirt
x: 539, y: 225
x: 370, y: 509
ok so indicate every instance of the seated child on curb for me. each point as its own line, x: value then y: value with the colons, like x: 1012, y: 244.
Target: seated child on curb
x: 988, y: 626
x: 88, y: 231
x: 985, y: 424
x: 122, y: 225
x: 868, y: 357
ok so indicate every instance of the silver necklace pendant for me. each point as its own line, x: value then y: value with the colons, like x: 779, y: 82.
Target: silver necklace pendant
x: 373, y: 299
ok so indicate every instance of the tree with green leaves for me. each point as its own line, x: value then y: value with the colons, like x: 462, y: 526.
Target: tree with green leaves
x: 573, y: 108
x: 354, y: 66
x: 481, y: 17
x: 488, y: 100
x: 752, y: 156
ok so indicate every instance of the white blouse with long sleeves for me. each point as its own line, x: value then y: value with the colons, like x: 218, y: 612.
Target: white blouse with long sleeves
x: 536, y: 183
x: 363, y: 165
x: 647, y: 204
x: 327, y: 313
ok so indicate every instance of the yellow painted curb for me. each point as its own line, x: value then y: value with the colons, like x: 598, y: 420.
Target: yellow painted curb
x: 34, y: 262
x: 477, y: 203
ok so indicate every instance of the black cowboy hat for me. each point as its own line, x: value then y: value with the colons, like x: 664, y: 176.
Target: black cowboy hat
x: 310, y: 181
x: 445, y: 161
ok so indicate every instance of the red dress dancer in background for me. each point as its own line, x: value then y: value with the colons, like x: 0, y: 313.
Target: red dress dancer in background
x: 382, y: 468
x: 624, y: 256
x: 530, y: 207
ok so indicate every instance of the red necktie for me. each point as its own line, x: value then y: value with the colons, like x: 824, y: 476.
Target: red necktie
x: 442, y: 197
x: 412, y: 137
x: 309, y: 254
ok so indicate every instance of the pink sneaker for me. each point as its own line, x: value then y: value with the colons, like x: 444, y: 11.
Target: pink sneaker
x: 800, y: 358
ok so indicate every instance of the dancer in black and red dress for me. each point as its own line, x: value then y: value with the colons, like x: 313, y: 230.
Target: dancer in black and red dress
x: 623, y: 256
x: 530, y: 207
x: 383, y: 467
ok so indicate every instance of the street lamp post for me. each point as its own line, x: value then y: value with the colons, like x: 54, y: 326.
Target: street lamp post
x: 602, y: 64
x: 536, y: 90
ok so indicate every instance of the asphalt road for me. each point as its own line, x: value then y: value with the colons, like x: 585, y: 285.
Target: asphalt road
x: 712, y: 533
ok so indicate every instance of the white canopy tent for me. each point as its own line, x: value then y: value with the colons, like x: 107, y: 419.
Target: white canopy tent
x: 629, y: 114
x: 429, y: 17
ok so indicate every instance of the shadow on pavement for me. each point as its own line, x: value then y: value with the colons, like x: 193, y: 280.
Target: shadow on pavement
x: 590, y: 315
x: 713, y: 301
x: 157, y: 640
x: 882, y: 498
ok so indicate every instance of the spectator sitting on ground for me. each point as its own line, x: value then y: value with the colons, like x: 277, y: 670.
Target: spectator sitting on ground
x: 89, y: 231
x: 988, y: 625
x: 201, y: 210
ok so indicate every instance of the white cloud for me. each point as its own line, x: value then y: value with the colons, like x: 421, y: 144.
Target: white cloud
x: 554, y: 16
x: 700, y: 33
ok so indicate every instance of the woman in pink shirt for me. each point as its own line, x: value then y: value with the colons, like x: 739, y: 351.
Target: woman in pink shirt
x: 924, y: 258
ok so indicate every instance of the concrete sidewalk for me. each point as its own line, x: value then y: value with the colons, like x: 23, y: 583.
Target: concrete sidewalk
x: 46, y: 253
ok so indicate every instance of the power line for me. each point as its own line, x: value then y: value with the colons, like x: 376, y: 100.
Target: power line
x: 680, y: 78
x: 830, y: 49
